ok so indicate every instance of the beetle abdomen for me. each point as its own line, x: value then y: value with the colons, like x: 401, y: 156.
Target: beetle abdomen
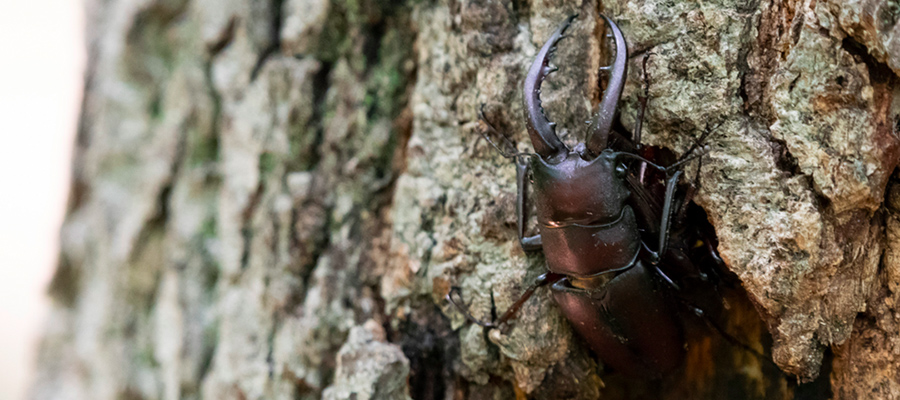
x: 627, y: 323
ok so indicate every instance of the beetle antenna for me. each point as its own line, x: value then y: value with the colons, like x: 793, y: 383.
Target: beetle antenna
x: 700, y: 142
x: 509, y: 143
x: 642, y: 102
x: 688, y: 158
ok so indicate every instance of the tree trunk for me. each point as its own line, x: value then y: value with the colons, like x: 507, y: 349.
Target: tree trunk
x: 271, y: 199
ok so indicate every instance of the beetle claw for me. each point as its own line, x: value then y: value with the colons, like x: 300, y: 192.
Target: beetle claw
x: 542, y: 133
x: 599, y: 134
x: 496, y: 336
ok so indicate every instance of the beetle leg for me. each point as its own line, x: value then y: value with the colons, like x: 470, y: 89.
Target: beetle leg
x: 544, y: 279
x: 666, y: 278
x: 657, y: 255
x: 700, y: 313
x: 671, y: 184
x: 529, y: 243
x: 728, y: 337
x: 689, y: 195
x: 695, y: 184
x: 465, y: 310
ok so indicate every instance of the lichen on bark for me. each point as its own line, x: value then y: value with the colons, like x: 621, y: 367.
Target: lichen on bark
x: 260, y: 185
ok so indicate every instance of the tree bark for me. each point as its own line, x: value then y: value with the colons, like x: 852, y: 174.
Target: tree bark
x: 271, y: 199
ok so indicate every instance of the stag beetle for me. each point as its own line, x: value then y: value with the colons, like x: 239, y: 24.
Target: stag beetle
x: 593, y: 227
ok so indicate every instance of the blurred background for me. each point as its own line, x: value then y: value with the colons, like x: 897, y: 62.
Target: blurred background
x: 41, y: 68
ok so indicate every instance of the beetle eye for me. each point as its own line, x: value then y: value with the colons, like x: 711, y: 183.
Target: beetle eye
x: 620, y: 170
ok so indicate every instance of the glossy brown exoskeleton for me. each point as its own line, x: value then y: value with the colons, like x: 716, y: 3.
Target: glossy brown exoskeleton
x: 607, y: 279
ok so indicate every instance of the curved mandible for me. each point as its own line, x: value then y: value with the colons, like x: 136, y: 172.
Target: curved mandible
x: 542, y: 131
x: 603, y: 120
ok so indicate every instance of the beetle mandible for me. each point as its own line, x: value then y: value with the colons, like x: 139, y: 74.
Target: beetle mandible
x: 606, y: 280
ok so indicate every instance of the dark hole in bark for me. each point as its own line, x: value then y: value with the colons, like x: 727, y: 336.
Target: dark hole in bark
x: 820, y: 388
x: 431, y: 346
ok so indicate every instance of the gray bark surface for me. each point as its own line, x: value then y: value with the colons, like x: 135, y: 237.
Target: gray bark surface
x: 271, y: 199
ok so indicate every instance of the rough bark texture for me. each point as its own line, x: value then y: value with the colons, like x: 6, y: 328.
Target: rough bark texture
x: 272, y: 198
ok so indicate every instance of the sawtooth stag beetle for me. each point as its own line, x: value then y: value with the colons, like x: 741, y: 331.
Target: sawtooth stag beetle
x: 603, y: 226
